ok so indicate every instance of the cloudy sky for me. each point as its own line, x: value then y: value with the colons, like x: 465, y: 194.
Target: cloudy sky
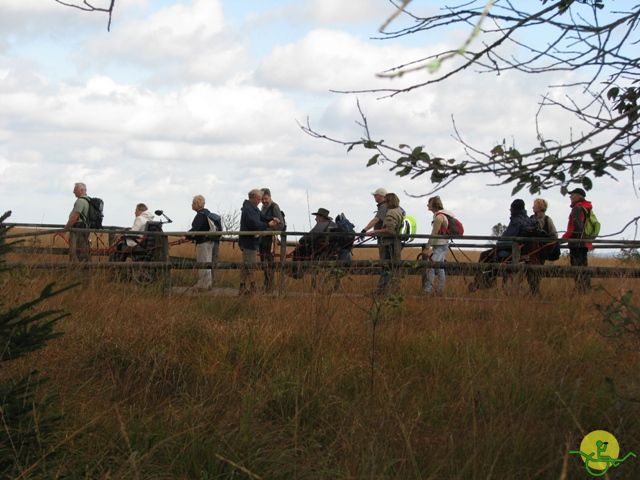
x: 188, y: 97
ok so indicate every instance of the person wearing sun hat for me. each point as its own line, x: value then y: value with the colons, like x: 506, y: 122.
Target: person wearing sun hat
x: 580, y: 208
x: 315, y: 244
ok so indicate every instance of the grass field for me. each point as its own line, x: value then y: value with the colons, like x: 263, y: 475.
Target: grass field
x: 329, y: 386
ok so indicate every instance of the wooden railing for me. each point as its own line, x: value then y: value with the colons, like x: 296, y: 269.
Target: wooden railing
x: 166, y: 263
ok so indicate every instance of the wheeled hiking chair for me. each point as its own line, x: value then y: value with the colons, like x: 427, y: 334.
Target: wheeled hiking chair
x: 493, y: 257
x: 147, y: 248
x: 321, y: 247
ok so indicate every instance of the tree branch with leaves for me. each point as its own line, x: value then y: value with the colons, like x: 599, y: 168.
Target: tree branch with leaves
x: 585, y: 36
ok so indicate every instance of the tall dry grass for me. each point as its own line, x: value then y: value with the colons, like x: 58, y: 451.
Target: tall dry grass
x: 329, y: 386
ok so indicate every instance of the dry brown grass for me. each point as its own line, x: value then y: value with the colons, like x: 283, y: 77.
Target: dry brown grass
x: 329, y: 386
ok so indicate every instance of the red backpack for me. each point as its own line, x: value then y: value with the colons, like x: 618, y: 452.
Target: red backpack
x: 455, y: 226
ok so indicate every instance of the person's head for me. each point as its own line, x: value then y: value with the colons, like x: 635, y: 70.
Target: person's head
x: 392, y: 200
x: 322, y: 215
x: 79, y: 189
x: 517, y: 206
x: 539, y: 206
x: 266, y: 196
x: 140, y: 208
x: 379, y: 195
x: 255, y: 196
x: 435, y: 204
x: 197, y: 203
x: 577, y: 195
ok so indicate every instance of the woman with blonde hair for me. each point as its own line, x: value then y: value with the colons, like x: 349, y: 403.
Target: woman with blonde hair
x: 550, y: 251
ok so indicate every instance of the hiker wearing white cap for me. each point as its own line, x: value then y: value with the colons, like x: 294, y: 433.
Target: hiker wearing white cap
x: 376, y: 222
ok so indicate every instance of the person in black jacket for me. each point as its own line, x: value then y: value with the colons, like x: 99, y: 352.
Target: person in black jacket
x: 206, y: 247
x: 251, y: 220
x: 521, y: 225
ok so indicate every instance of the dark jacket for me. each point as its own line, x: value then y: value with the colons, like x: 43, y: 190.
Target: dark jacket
x: 201, y: 224
x: 251, y: 220
x: 575, y: 227
x: 520, y: 225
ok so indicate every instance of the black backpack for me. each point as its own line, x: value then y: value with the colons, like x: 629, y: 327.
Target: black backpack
x: 95, y: 215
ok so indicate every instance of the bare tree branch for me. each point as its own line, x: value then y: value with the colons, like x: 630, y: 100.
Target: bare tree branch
x: 88, y: 7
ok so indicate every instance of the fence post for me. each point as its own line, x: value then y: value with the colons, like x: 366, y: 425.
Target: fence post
x: 283, y: 258
x: 110, y: 239
x: 73, y: 246
x: 166, y: 270
x: 515, y: 252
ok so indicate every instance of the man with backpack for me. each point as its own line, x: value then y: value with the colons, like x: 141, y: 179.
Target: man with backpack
x: 378, y: 219
x: 206, y: 247
x: 79, y: 245
x: 580, y: 211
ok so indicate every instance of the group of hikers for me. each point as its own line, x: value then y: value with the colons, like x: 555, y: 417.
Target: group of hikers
x: 327, y: 239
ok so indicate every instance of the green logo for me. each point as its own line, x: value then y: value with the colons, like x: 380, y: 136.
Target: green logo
x: 600, y: 451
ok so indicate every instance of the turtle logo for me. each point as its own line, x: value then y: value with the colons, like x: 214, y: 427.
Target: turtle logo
x: 600, y: 451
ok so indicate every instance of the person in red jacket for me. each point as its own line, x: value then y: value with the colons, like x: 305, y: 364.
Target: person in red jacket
x: 578, y: 251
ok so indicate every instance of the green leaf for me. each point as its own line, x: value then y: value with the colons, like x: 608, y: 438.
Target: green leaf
x: 370, y: 144
x: 517, y: 188
x: 513, y: 153
x: 613, y: 93
x: 575, y: 166
x: 373, y: 160
x: 405, y: 171
x: 587, y: 183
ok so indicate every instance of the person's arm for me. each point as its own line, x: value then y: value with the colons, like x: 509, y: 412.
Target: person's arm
x: 370, y: 225
x: 197, y: 226
x: 75, y: 216
x: 277, y: 215
x: 73, y: 219
x: 575, y: 225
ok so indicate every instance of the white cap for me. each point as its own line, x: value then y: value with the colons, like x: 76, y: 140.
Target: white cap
x: 380, y: 191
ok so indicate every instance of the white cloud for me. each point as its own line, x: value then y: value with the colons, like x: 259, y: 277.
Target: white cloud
x: 333, y: 60
x: 353, y: 11
x: 177, y: 44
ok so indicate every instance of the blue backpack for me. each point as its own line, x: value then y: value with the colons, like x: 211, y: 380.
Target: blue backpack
x: 345, y: 226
